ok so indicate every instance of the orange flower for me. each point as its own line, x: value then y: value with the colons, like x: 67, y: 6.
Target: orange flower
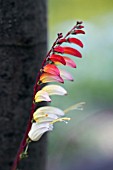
x: 47, y: 77
x: 51, y: 69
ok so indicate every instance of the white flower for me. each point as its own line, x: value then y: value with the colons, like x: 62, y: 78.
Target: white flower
x: 54, y: 89
x: 46, y: 116
x: 42, y: 96
x: 47, y: 111
x: 37, y: 130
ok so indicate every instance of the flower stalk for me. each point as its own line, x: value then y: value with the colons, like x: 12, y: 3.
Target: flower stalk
x: 42, y: 119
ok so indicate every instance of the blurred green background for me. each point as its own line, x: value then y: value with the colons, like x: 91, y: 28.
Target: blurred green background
x: 86, y: 143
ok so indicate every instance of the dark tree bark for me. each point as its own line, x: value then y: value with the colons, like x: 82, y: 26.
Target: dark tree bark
x: 23, y: 36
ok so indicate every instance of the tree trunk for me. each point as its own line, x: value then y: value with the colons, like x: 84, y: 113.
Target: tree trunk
x: 23, y: 42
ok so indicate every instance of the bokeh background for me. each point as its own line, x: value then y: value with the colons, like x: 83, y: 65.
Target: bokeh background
x: 86, y: 143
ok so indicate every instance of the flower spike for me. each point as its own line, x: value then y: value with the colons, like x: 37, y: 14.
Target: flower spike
x: 46, y: 116
x: 43, y: 118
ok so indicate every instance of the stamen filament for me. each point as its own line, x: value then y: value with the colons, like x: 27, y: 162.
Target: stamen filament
x: 78, y: 106
x: 60, y: 120
x: 40, y: 116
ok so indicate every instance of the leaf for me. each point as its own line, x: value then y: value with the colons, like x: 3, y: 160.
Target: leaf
x: 57, y: 58
x: 52, y: 69
x: 72, y: 51
x: 75, y: 41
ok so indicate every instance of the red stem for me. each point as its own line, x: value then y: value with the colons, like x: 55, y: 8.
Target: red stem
x: 36, y: 87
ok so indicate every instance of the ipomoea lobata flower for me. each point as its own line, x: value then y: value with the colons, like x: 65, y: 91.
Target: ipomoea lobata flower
x: 48, y: 90
x: 37, y: 130
x: 47, y: 77
x: 53, y: 89
x: 44, y: 117
x: 66, y: 75
x: 42, y: 96
x: 69, y: 62
x: 45, y: 111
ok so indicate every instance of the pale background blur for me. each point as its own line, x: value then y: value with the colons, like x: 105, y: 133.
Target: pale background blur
x: 86, y: 142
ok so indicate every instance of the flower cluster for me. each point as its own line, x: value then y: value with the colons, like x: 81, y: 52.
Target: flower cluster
x: 44, y: 117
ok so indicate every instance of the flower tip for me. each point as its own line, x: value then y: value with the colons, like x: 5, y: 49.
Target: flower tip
x: 74, y: 66
x: 71, y: 79
x: 61, y: 80
x: 49, y: 100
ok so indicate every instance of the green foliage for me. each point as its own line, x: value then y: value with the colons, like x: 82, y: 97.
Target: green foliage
x: 93, y: 79
x: 60, y: 10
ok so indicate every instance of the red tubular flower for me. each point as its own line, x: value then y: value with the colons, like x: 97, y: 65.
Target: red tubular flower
x: 47, y: 116
x: 47, y: 77
x: 69, y: 62
x: 75, y: 41
x: 52, y: 69
x: 72, y: 51
x: 58, y: 49
x: 67, y: 50
x: 57, y: 58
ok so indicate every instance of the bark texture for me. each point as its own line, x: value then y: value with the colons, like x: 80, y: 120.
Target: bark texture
x: 23, y: 42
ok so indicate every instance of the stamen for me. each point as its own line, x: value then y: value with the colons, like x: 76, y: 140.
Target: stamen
x: 78, y: 106
x: 61, y: 120
x: 40, y: 116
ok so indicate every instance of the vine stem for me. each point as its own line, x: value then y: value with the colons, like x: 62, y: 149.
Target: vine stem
x: 35, y: 89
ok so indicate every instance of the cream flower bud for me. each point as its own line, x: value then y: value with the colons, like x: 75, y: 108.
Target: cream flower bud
x: 54, y: 89
x: 42, y: 96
